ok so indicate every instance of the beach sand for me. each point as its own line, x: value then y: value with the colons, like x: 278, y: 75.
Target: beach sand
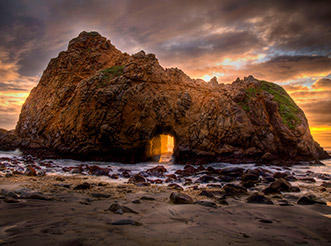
x: 80, y: 217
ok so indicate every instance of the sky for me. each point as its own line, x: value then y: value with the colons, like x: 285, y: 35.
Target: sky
x: 286, y: 42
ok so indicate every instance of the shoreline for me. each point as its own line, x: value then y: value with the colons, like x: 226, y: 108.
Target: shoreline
x: 75, y: 203
x: 63, y: 215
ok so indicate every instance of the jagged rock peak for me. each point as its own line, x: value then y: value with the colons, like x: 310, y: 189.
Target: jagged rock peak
x: 213, y: 81
x: 95, y: 102
x: 88, y: 40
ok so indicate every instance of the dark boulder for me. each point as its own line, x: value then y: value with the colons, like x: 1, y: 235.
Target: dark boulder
x: 83, y: 186
x: 234, y: 190
x: 137, y: 179
x: 259, y: 198
x: 180, y: 198
x: 280, y: 185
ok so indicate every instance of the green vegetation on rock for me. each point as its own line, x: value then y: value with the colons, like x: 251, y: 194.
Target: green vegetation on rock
x: 115, y: 71
x: 288, y: 110
x: 110, y: 73
x: 287, y: 107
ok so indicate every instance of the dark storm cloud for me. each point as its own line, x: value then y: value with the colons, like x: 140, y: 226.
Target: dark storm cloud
x: 33, y: 31
x: 286, y: 67
x: 10, y: 87
x: 293, y: 88
x: 324, y: 83
x: 191, y: 34
x: 321, y: 107
x: 8, y: 121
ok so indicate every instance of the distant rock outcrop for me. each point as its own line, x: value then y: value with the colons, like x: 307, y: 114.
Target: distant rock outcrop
x: 95, y: 102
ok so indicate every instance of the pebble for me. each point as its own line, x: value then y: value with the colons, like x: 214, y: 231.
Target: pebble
x: 100, y: 195
x: 265, y: 221
x: 206, y: 203
x: 83, y: 186
x: 126, y: 222
x: 258, y: 198
x: 147, y: 198
x: 119, y: 209
x: 11, y: 200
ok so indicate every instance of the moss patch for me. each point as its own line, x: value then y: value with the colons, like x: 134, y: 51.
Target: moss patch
x: 114, y: 71
x: 110, y: 73
x: 287, y: 107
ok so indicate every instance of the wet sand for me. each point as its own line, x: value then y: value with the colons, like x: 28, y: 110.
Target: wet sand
x: 80, y: 217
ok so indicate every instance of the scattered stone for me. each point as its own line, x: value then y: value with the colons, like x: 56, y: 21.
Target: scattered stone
x: 206, y: 179
x: 74, y: 243
x: 155, y: 181
x: 35, y: 195
x: 127, y: 222
x: 100, y: 195
x: 295, y: 189
x: 188, y: 182
x: 305, y: 201
x: 126, y: 174
x: 136, y: 201
x: 143, y: 184
x: 212, y: 170
x: 67, y: 186
x: 175, y: 187
x: 225, y: 178
x: 278, y: 175
x: 85, y: 202
x: 114, y: 176
x: 258, y: 198
x: 180, y: 198
x: 284, y: 202
x: 119, y: 209
x: 137, y: 179
x: 234, y: 190
x: 30, y: 171
x: 97, y: 171
x: 212, y: 194
x: 147, y: 198
x: 11, y: 200
x: 290, y: 197
x: 102, y: 184
x: 83, y: 186
x: 187, y: 171
x: 214, y: 186
x: 265, y: 221
x: 222, y: 201
x: 232, y: 171
x: 309, y: 200
x: 326, y: 184
x: 12, y: 194
x: 157, y: 171
x: 268, y: 179
x: 250, y: 178
x: 280, y: 185
x: 308, y: 180
x: 206, y: 203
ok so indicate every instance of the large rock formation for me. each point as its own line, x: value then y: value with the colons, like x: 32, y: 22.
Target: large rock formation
x: 95, y: 102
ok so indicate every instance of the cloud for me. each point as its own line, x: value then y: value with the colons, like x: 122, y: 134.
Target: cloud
x: 290, y: 88
x: 284, y: 68
x: 324, y: 83
x: 276, y: 40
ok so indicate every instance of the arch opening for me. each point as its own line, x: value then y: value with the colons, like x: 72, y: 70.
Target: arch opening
x: 161, y: 148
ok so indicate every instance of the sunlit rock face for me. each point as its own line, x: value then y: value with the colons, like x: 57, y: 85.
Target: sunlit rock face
x: 95, y: 102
